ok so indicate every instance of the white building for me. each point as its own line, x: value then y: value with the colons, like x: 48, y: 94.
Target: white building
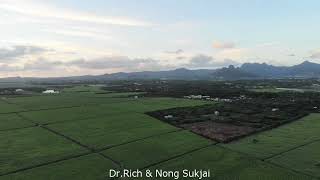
x: 50, y: 91
x: 168, y: 116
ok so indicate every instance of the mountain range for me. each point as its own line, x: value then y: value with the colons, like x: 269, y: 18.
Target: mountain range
x: 306, y: 69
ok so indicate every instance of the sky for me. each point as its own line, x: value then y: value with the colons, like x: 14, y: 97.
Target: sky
x: 49, y: 38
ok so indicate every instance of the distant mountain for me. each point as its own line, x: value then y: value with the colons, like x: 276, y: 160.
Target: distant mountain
x: 233, y: 73
x: 181, y: 73
x: 246, y: 71
x: 306, y: 69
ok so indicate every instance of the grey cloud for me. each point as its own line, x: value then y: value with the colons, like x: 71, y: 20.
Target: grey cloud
x: 121, y: 62
x: 204, y: 61
x: 8, y: 68
x: 112, y: 62
x: 17, y: 51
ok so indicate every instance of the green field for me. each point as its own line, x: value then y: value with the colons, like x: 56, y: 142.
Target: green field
x: 228, y: 165
x: 13, y: 121
x: 112, y: 130
x: 146, y: 152
x: 83, y: 136
x: 5, y: 107
x: 305, y: 159
x: 269, y: 143
x: 33, y: 146
x: 94, y: 166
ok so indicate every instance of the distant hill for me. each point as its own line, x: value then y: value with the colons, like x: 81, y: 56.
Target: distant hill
x: 233, y: 73
x: 306, y: 69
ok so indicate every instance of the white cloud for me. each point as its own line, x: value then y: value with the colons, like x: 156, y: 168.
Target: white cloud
x: 315, y: 54
x: 36, y: 9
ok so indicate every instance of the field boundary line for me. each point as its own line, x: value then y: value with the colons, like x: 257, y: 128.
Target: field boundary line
x: 12, y: 129
x: 90, y: 149
x: 136, y: 140
x: 267, y: 162
x: 290, y: 149
x: 180, y: 155
x: 290, y: 169
x: 46, y: 163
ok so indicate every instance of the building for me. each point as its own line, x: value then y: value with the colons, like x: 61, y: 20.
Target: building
x: 50, y: 91
x: 168, y: 116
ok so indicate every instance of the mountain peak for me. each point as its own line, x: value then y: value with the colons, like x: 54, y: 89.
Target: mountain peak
x: 307, y: 62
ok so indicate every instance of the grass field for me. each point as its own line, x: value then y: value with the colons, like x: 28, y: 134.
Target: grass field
x: 228, y: 165
x: 269, y: 143
x: 152, y: 150
x: 13, y: 121
x: 94, y: 166
x: 82, y: 137
x: 305, y: 159
x: 33, y: 146
x: 112, y: 130
x: 8, y: 108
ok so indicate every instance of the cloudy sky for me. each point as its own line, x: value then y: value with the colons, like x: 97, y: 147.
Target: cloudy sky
x: 77, y: 37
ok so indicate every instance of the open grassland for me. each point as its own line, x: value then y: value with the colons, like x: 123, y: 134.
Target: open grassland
x: 269, y: 143
x: 109, y: 131
x: 88, y: 167
x: 13, y: 121
x: 305, y: 159
x: 82, y: 137
x: 33, y: 146
x: 5, y: 107
x: 146, y: 152
x: 228, y: 165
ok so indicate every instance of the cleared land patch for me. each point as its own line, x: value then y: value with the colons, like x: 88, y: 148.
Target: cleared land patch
x: 112, y: 130
x: 156, y: 149
x: 88, y: 167
x: 28, y: 147
x: 270, y: 143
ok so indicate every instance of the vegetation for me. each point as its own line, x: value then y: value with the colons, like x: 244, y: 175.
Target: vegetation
x: 81, y: 135
x: 155, y: 149
x: 270, y: 143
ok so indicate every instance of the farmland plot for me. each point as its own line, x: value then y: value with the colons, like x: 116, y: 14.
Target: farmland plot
x: 228, y: 165
x: 88, y: 167
x: 9, y: 108
x: 269, y: 143
x: 153, y: 150
x: 33, y: 146
x: 112, y: 130
x: 69, y: 114
x: 60, y: 101
x: 305, y: 159
x: 13, y: 121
